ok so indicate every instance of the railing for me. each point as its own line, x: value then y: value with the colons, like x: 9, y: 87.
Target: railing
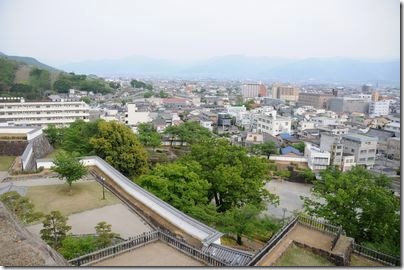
x: 115, y: 249
x: 273, y: 242
x: 319, y: 225
x: 189, y: 250
x: 375, y: 255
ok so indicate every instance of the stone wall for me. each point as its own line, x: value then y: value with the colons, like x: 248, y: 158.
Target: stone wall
x: 12, y: 148
x: 41, y: 147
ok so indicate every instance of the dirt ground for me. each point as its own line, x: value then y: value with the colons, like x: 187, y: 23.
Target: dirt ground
x: 123, y: 221
x: 153, y: 254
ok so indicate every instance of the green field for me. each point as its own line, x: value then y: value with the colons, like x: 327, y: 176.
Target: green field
x: 84, y: 196
x: 5, y: 162
x: 296, y: 256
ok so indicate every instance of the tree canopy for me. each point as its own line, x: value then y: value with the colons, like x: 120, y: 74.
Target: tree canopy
x: 120, y: 147
x: 55, y: 229
x: 359, y: 201
x: 68, y: 168
x: 148, y: 136
x: 267, y: 148
x: 21, y: 206
x: 189, y: 132
x: 76, y: 138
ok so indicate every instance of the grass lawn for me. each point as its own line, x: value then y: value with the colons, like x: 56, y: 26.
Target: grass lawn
x: 84, y: 196
x: 53, y: 153
x: 296, y: 256
x: 5, y: 162
x: 357, y: 260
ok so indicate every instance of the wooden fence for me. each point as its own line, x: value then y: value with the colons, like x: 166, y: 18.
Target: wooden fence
x: 377, y: 256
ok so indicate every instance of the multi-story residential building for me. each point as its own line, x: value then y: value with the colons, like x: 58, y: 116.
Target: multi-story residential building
x: 393, y: 148
x: 324, y: 121
x: 362, y: 147
x: 332, y: 143
x: 285, y: 92
x: 334, y: 129
x: 394, y: 127
x: 316, y: 100
x: 270, y: 123
x: 348, y: 104
x: 44, y: 113
x: 348, y: 161
x: 317, y: 159
x: 133, y: 117
x: 379, y: 108
x: 223, y: 119
x: 253, y: 90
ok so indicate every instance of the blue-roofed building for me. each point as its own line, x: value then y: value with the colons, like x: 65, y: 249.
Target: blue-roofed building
x: 288, y: 138
x: 290, y: 149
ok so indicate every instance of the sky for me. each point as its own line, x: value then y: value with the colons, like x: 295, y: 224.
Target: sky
x: 64, y: 31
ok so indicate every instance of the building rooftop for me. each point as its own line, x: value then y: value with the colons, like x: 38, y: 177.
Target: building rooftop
x: 360, y: 138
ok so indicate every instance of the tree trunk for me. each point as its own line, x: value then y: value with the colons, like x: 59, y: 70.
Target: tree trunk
x: 239, y: 241
x: 216, y: 199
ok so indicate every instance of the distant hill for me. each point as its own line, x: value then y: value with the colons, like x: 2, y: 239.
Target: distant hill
x: 256, y: 68
x: 29, y: 61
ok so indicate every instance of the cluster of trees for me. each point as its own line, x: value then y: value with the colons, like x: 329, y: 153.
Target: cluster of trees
x: 160, y: 94
x: 188, y: 132
x: 362, y: 204
x: 148, y: 135
x: 55, y: 232
x: 267, y: 148
x: 68, y: 81
x: 20, y: 206
x: 216, y: 182
x: 140, y: 84
x: 112, y: 141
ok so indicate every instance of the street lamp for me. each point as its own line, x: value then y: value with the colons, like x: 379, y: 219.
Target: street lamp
x: 283, y: 219
x: 103, y: 187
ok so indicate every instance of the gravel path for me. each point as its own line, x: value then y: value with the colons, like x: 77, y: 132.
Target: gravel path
x: 153, y: 254
x: 123, y: 221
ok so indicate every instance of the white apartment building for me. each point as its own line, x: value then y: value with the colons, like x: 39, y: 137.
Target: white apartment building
x: 133, y: 117
x: 379, y: 108
x: 60, y: 113
x: 393, y: 126
x: 362, y: 147
x: 270, y: 123
x: 253, y: 90
x: 317, y: 159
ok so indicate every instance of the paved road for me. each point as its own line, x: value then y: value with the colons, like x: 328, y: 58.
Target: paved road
x: 289, y: 195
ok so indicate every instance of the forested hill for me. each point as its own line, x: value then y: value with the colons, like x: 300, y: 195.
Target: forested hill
x: 26, y: 77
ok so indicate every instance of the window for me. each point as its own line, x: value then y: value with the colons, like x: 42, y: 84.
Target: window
x: 371, y: 158
x: 362, y: 159
x: 363, y: 151
x: 339, y: 147
x: 372, y: 150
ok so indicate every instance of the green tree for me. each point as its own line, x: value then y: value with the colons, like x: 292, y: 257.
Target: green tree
x: 179, y: 184
x: 68, y: 168
x: 358, y: 201
x: 55, y: 229
x: 189, y: 132
x: 148, y: 94
x: 105, y: 234
x: 236, y: 179
x: 148, y: 135
x: 86, y: 100
x: 54, y: 134
x: 308, y: 175
x: 267, y: 148
x: 7, y: 73
x: 163, y: 94
x: 20, y: 206
x: 299, y: 146
x: 77, y: 136
x: 62, y: 85
x: 250, y: 104
x: 73, y: 247
x: 119, y: 146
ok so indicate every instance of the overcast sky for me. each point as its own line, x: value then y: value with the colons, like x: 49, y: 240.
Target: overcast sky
x: 62, y: 31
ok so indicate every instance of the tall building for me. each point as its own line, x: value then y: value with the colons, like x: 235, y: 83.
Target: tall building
x: 316, y: 100
x: 133, y: 117
x: 366, y: 88
x: 348, y: 104
x: 253, y: 90
x: 362, y: 147
x: 375, y: 96
x: 379, y: 108
x: 285, y: 92
x: 60, y: 113
x: 317, y: 159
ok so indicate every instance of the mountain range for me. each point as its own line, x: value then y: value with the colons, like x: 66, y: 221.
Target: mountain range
x: 255, y: 68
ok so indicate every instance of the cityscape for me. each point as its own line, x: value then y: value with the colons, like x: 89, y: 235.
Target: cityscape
x: 214, y: 134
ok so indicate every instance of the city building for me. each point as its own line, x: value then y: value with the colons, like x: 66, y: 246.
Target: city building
x: 223, y: 119
x: 253, y: 90
x: 133, y: 117
x: 332, y: 143
x: 394, y: 127
x: 270, y: 123
x: 285, y: 92
x: 316, y: 100
x: 362, y: 147
x: 379, y: 108
x: 61, y: 113
x: 393, y: 148
x: 348, y: 105
x: 317, y: 159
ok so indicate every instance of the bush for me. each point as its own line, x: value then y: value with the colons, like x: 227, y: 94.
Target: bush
x: 73, y: 247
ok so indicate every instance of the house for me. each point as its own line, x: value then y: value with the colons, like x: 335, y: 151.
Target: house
x: 289, y: 149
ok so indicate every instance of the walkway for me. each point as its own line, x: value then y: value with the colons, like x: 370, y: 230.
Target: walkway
x: 153, y: 254
x: 123, y: 221
x: 302, y: 234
